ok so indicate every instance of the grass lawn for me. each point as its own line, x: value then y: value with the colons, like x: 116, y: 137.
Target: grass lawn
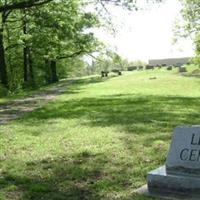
x: 98, y: 140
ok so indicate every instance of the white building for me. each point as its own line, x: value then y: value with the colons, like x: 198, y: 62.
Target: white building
x: 170, y: 61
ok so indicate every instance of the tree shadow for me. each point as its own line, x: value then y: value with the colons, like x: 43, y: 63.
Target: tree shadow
x: 17, y: 108
x: 79, y: 83
x: 131, y: 114
x: 88, y: 175
x: 80, y: 176
x: 146, y: 120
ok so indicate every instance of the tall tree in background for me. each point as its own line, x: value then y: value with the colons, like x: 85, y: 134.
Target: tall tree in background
x: 191, y: 25
x: 6, y: 7
x: 48, y: 34
x: 61, y: 26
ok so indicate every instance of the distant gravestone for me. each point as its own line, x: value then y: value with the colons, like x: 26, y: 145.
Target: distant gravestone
x: 140, y: 68
x: 169, y: 67
x: 117, y: 71
x: 131, y: 68
x: 182, y: 69
x: 104, y: 73
x: 179, y: 178
x: 149, y: 67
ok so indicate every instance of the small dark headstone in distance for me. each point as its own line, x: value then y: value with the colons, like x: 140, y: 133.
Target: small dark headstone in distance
x: 117, y: 71
x: 140, y: 68
x: 182, y: 69
x: 169, y: 67
x: 131, y: 68
x: 104, y: 73
x: 153, y: 78
x: 149, y: 67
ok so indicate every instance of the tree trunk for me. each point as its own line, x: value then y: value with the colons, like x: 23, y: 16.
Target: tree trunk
x: 25, y: 50
x: 54, y: 76
x: 3, y: 67
x: 9, y: 59
x: 25, y: 65
x: 29, y: 79
x: 31, y: 72
x: 47, y: 71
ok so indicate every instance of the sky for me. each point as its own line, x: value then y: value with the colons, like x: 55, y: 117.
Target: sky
x: 146, y: 34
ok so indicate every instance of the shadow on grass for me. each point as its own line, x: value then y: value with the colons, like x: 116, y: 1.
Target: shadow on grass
x: 93, y: 176
x: 80, y: 83
x: 61, y: 87
x: 134, y: 115
x: 80, y: 177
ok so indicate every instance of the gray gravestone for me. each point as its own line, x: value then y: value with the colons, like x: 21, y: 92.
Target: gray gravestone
x: 179, y: 178
x: 184, y: 153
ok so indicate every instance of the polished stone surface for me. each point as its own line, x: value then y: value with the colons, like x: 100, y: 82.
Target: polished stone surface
x: 144, y: 191
x: 184, y: 154
x: 179, y: 178
x: 159, y: 182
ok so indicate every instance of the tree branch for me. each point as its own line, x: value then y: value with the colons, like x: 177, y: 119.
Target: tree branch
x: 71, y: 55
x: 23, y: 4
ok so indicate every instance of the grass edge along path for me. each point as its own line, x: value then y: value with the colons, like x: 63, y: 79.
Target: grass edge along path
x: 14, y: 109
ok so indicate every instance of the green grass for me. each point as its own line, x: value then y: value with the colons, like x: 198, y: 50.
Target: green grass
x: 99, y: 139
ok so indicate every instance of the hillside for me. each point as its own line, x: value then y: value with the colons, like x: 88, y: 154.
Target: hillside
x: 99, y: 139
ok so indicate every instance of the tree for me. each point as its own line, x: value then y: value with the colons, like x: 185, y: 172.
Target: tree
x: 6, y: 7
x: 48, y: 34
x: 37, y: 35
x: 191, y: 25
x: 61, y: 26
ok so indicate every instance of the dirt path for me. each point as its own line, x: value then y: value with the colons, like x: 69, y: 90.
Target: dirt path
x: 17, y: 108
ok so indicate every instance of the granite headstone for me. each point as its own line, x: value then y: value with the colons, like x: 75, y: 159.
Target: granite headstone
x: 179, y: 178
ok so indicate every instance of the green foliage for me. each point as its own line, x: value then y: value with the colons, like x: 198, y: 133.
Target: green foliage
x: 107, y: 61
x: 191, y: 15
x: 191, y: 26
x: 71, y: 68
x: 50, y: 32
x: 138, y: 63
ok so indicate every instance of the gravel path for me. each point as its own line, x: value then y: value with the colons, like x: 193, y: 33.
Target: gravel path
x: 17, y: 108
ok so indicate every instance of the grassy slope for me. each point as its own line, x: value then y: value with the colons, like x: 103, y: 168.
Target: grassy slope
x: 97, y: 141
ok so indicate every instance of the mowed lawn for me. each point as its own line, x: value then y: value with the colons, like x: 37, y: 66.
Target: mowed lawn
x: 99, y: 139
